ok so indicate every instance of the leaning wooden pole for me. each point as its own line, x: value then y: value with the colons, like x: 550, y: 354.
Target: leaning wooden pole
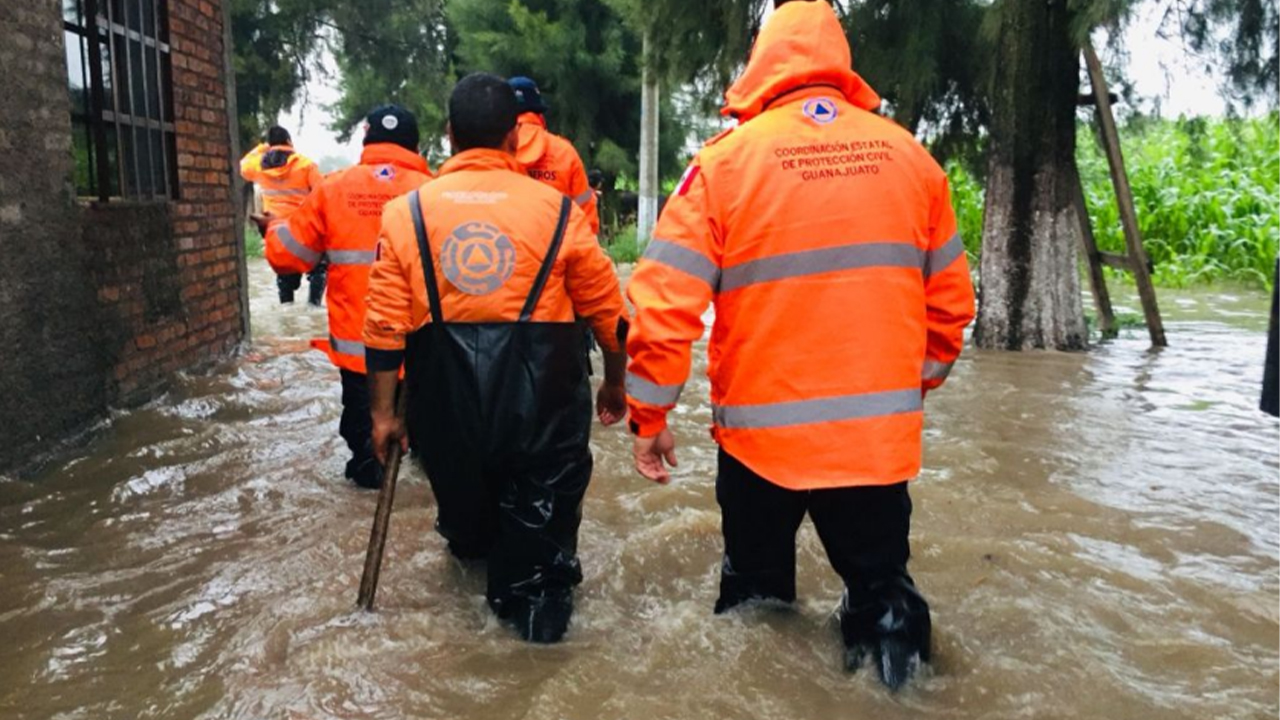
x: 1124, y: 196
x: 1097, y: 281
x: 382, y: 517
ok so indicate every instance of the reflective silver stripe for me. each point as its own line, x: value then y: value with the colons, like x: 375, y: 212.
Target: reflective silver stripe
x: 297, y: 249
x: 831, y: 409
x: 935, y: 261
x: 347, y: 347
x: 935, y: 370
x: 825, y: 260
x: 277, y: 193
x: 684, y: 260
x: 584, y: 197
x: 352, y: 257
x: 652, y: 393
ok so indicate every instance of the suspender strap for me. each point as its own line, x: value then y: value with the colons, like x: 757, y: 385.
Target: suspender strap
x: 545, y: 271
x: 424, y: 250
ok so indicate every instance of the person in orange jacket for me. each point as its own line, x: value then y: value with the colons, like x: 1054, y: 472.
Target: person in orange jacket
x: 340, y: 221
x: 476, y: 286
x: 286, y: 178
x: 549, y: 158
x: 826, y: 238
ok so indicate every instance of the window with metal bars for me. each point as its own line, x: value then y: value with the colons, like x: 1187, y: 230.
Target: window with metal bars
x: 120, y: 80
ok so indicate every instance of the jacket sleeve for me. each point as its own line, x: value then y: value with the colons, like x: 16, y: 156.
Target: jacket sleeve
x: 314, y: 176
x: 670, y: 289
x: 389, y: 304
x: 582, y: 194
x: 251, y: 164
x: 296, y: 244
x: 592, y: 284
x: 948, y: 290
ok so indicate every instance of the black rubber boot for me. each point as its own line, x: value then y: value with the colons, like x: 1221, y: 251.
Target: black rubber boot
x: 315, y: 286
x: 365, y: 472
x: 890, y: 623
x: 542, y: 619
x: 287, y: 285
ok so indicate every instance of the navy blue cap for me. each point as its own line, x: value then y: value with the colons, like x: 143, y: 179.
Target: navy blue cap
x: 528, y: 97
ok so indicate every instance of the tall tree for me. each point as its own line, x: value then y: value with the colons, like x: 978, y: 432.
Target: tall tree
x: 274, y: 43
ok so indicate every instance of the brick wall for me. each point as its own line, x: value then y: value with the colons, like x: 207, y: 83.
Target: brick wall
x: 101, y: 303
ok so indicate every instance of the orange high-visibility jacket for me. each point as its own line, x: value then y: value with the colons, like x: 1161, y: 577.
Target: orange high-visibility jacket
x: 286, y: 178
x: 825, y: 236
x: 551, y: 159
x: 493, y: 226
x: 341, y: 220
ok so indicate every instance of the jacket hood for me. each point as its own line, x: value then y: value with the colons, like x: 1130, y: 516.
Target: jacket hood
x: 278, y: 157
x: 802, y: 45
x: 533, y: 138
x: 392, y: 154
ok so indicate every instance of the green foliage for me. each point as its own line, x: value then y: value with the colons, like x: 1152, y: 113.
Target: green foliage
x: 1205, y: 193
x: 274, y: 40
x: 253, y: 243
x: 625, y: 247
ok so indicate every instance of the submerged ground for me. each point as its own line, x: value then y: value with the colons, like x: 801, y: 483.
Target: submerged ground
x: 1097, y: 534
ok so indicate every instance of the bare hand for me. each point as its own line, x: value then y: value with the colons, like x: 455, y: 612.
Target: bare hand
x: 386, y: 433
x: 611, y: 403
x: 650, y: 454
x: 262, y: 221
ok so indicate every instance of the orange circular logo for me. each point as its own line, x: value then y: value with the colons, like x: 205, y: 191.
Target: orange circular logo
x: 477, y: 258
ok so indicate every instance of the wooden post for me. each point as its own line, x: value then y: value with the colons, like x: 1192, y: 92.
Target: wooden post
x: 1097, y: 281
x: 1124, y: 197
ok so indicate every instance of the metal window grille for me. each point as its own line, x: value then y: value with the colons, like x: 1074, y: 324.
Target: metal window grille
x: 121, y: 85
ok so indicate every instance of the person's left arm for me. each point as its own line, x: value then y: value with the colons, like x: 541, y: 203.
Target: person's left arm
x: 592, y: 285
x: 949, y: 296
x: 296, y: 244
x: 582, y: 195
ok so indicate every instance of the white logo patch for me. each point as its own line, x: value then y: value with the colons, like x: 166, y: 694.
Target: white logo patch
x: 390, y: 122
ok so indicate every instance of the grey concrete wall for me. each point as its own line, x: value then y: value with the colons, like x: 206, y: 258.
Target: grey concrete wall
x: 52, y: 366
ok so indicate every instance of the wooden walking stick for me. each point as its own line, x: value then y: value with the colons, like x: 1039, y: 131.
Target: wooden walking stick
x: 382, y: 517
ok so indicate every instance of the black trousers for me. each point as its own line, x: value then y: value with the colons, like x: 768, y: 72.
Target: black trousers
x: 863, y: 529
x: 524, y: 521
x: 316, y: 280
x: 356, y: 427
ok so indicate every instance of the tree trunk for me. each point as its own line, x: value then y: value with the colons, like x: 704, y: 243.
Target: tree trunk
x: 1030, y: 282
x: 649, y: 101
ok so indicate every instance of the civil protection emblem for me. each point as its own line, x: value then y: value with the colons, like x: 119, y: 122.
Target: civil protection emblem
x: 821, y: 110
x: 477, y: 258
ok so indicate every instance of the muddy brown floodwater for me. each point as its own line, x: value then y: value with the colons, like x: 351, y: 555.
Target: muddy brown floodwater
x: 1097, y: 534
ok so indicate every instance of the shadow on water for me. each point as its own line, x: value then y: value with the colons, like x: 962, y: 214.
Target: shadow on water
x: 1097, y: 534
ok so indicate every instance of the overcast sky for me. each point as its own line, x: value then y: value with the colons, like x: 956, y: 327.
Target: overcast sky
x: 1161, y: 69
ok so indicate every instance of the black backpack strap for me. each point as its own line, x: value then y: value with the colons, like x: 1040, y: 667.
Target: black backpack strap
x: 424, y: 250
x: 547, y: 263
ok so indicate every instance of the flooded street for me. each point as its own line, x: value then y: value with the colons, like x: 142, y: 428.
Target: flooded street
x: 1097, y: 535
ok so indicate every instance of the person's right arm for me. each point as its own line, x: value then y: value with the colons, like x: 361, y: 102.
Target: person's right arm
x: 388, y: 319
x: 670, y: 289
x: 251, y: 164
x: 295, y: 244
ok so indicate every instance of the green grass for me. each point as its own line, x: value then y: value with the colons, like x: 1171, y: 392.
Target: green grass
x: 1205, y: 193
x: 625, y: 247
x: 253, y: 246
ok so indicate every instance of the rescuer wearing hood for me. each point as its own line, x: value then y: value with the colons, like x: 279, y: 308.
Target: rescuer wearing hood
x: 547, y: 157
x: 478, y: 279
x: 340, y: 220
x: 286, y: 178
x: 825, y: 236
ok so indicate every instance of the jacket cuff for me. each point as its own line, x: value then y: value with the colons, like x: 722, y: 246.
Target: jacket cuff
x: 383, y: 360
x: 647, y: 420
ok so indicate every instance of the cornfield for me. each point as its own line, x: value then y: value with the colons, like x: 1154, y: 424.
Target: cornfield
x: 1206, y: 193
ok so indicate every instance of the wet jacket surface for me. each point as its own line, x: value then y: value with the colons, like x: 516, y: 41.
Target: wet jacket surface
x: 551, y: 159
x: 825, y: 236
x: 285, y: 177
x: 341, y: 219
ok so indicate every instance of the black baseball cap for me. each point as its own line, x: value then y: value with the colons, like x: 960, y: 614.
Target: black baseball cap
x: 528, y: 97
x: 392, y: 124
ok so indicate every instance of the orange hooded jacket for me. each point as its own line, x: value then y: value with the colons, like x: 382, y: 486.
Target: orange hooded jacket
x: 551, y: 159
x: 341, y: 219
x: 826, y: 238
x: 286, y: 178
x: 495, y: 225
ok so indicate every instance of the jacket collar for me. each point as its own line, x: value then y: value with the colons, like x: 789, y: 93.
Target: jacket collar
x: 532, y: 118
x: 481, y: 159
x: 802, y: 45
x: 392, y: 154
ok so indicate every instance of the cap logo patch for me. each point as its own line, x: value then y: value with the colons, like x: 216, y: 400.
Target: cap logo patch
x: 821, y: 110
x: 390, y: 122
x: 478, y: 258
